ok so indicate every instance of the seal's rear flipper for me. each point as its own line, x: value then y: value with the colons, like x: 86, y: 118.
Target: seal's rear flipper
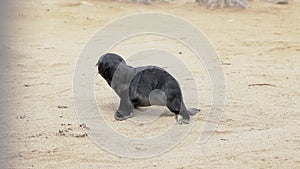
x: 193, y: 111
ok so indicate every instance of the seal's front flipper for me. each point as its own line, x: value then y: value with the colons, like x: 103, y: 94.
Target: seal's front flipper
x: 193, y: 111
x: 125, y: 109
x: 122, y: 116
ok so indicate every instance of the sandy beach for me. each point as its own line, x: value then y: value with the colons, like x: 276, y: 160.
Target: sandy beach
x: 259, y: 48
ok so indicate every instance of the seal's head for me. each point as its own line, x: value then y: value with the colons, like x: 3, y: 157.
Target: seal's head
x: 108, y: 64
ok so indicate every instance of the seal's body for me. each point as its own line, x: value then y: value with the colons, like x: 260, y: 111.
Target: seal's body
x: 142, y: 86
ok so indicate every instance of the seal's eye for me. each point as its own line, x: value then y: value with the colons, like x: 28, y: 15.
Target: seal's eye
x: 106, y: 74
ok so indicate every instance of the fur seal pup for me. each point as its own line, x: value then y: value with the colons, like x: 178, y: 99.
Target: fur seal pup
x: 142, y: 86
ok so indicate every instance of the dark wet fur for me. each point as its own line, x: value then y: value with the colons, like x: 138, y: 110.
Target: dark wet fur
x: 142, y: 86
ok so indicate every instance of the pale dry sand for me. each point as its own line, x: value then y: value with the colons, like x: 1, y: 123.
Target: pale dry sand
x: 260, y: 126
